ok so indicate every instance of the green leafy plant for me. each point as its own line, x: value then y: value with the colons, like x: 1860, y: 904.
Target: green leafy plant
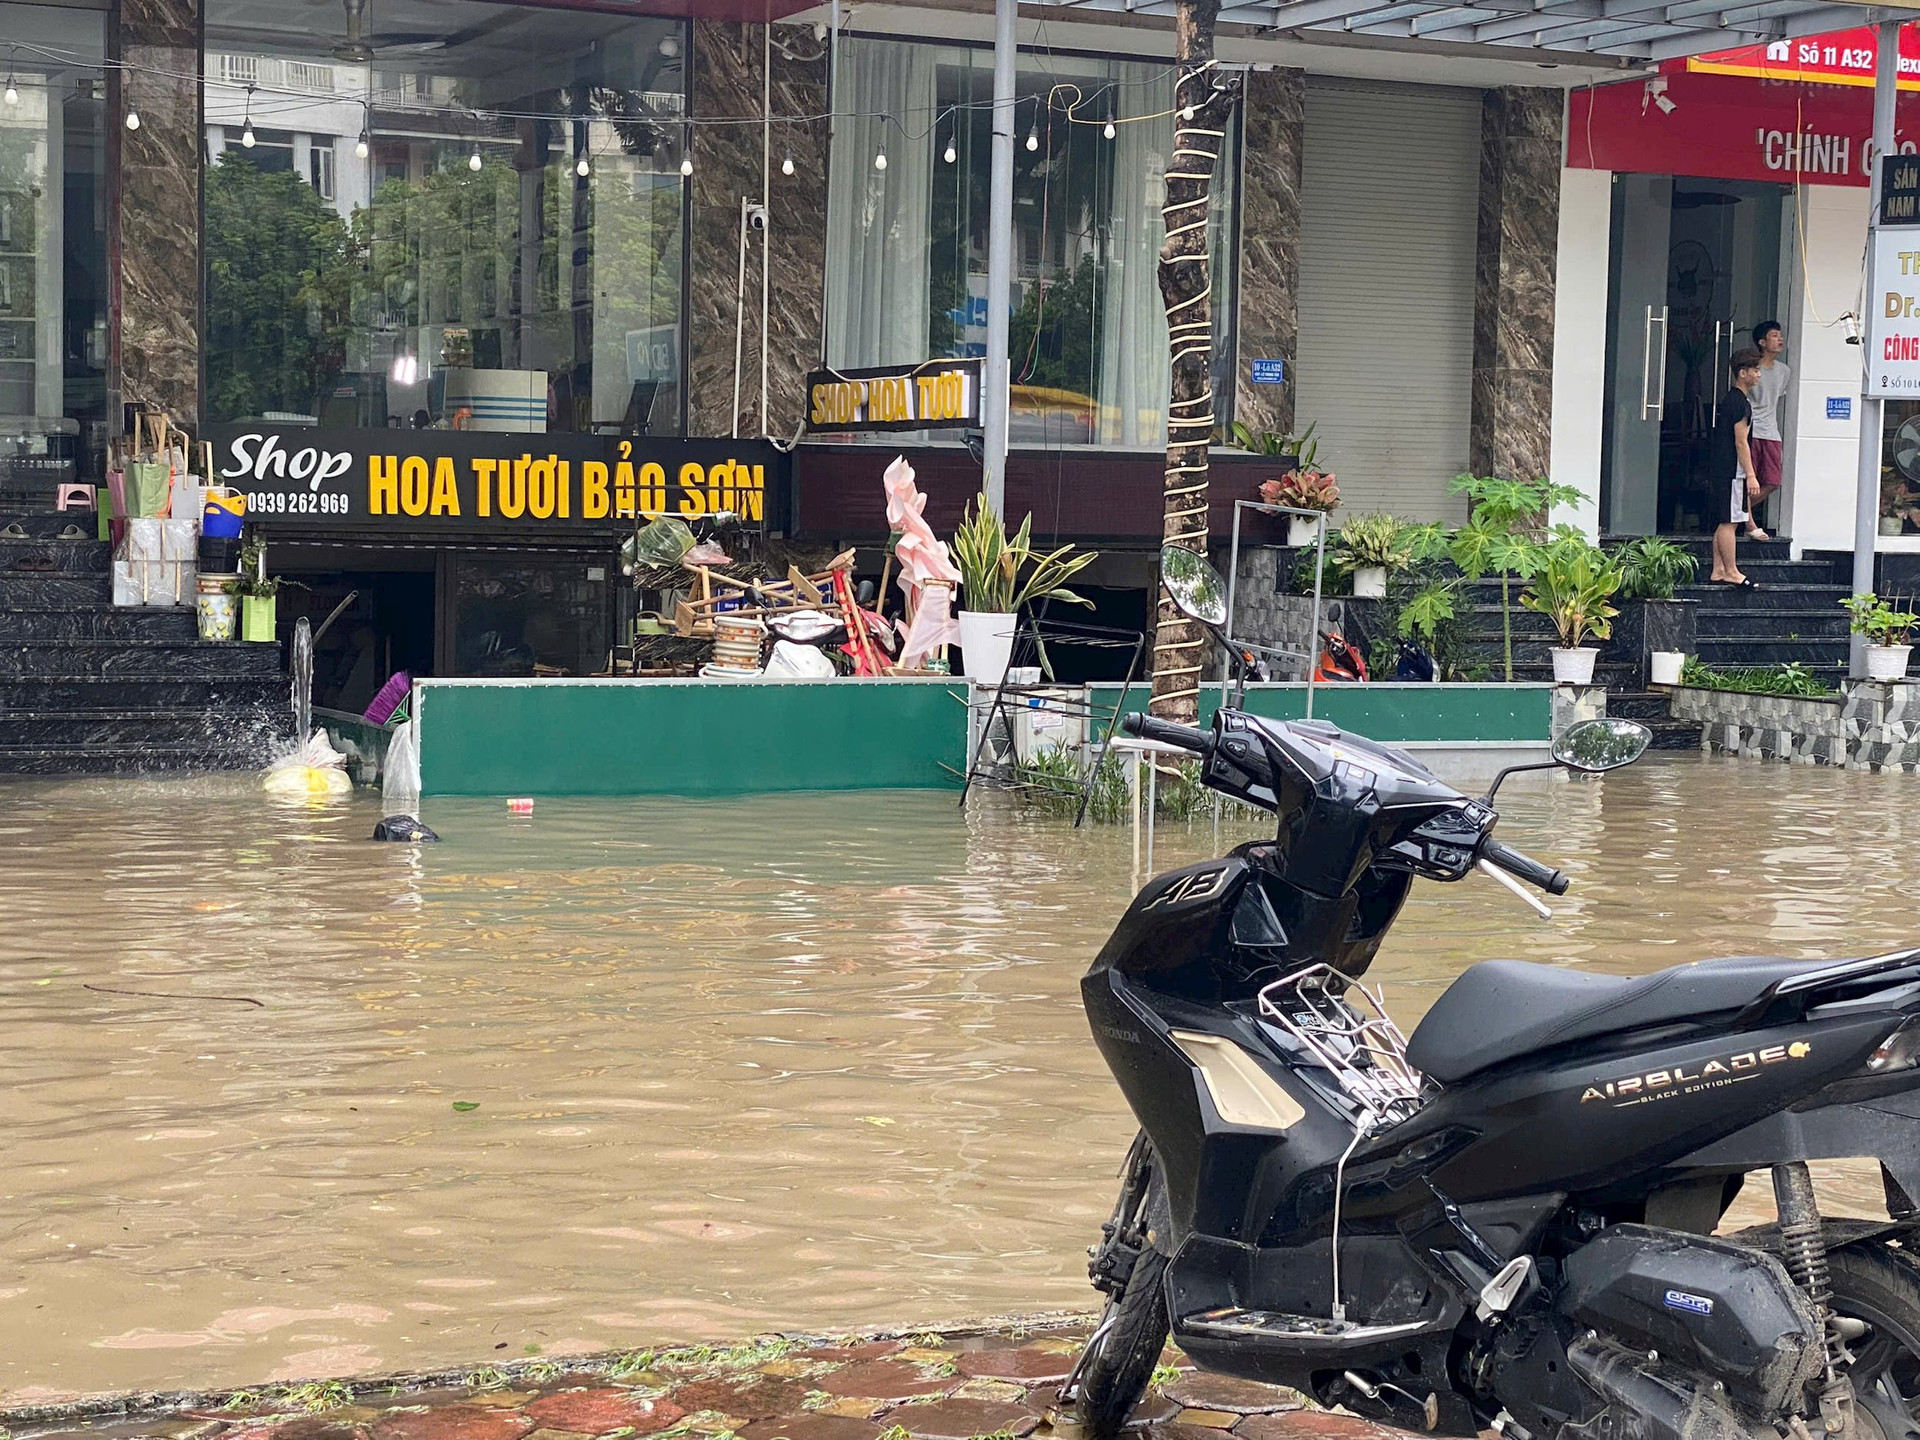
x: 1874, y: 618
x: 992, y: 564
x: 1269, y: 442
x: 1503, y: 519
x: 1793, y: 680
x: 1572, y: 587
x: 1303, y: 490
x: 253, y: 578
x: 1369, y: 540
x: 1652, y: 568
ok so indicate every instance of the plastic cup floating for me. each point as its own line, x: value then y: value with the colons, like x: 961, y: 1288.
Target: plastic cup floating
x: 520, y: 807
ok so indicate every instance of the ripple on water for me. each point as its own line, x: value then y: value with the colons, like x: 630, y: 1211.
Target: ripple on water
x: 795, y: 1061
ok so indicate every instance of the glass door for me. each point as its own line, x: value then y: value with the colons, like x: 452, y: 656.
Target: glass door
x: 1696, y: 264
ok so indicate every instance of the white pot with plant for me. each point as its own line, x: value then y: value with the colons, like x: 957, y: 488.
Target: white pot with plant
x: 1303, y: 490
x: 1664, y: 666
x: 994, y: 588
x: 1886, y: 630
x: 1370, y: 548
x: 1575, y: 581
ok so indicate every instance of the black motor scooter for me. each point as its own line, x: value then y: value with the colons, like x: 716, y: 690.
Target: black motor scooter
x: 1509, y: 1219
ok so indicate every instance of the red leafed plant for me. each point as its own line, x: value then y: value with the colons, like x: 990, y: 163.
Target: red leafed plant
x: 1303, y: 490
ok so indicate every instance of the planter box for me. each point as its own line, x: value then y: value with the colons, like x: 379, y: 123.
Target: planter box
x: 1644, y: 626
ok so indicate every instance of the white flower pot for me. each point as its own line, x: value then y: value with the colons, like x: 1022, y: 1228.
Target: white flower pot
x: 1574, y: 667
x: 986, y: 644
x: 1304, y: 530
x: 1370, y: 582
x: 1887, y: 662
x: 1663, y: 667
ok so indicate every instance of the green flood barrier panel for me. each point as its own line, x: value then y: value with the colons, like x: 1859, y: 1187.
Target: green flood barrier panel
x: 688, y: 737
x: 1391, y: 713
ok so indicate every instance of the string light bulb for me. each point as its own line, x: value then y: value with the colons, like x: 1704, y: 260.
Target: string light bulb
x: 1033, y: 138
x: 1110, y: 131
x: 686, y: 165
x: 360, y: 146
x: 133, y: 118
x: 880, y: 160
x: 12, y: 95
x: 247, y: 140
x: 1186, y: 112
x: 786, y: 164
x: 474, y: 162
x: 582, y: 168
x: 950, y: 154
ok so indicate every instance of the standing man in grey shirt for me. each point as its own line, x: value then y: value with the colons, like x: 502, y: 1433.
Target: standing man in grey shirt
x: 1769, y: 395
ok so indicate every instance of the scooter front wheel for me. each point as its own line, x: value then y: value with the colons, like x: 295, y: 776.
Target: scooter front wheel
x: 1124, y: 1348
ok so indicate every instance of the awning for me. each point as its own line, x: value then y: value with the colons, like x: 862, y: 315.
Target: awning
x: 1649, y: 30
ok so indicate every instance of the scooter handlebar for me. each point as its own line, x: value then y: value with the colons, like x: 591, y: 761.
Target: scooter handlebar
x: 1524, y: 867
x: 1167, y: 732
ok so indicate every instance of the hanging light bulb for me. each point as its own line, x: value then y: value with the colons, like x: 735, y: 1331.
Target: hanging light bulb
x: 474, y: 162
x: 1033, y: 138
x: 581, y: 167
x: 360, y: 146
x: 1110, y: 131
x: 12, y: 95
x: 246, y: 122
x: 950, y: 154
x: 133, y: 118
x: 786, y: 165
x: 880, y: 160
x: 247, y: 136
x: 686, y: 165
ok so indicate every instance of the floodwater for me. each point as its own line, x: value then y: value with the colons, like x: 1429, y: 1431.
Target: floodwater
x: 279, y: 1102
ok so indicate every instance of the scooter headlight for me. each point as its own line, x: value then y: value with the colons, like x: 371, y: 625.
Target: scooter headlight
x: 1899, y: 1051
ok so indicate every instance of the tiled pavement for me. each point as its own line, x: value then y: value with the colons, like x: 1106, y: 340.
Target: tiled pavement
x: 984, y: 1385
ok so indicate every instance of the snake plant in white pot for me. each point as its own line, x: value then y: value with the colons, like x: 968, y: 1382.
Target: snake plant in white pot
x: 994, y: 586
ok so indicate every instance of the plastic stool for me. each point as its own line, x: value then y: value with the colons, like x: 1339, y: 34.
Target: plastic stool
x: 75, y: 497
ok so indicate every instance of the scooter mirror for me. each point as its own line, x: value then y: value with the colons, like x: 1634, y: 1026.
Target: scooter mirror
x: 1596, y: 745
x: 1194, y: 586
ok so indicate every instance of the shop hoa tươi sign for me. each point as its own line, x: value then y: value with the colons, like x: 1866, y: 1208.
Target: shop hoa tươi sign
x: 423, y: 480
x: 934, y: 395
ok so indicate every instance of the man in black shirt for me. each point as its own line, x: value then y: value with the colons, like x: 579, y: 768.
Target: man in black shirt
x: 1732, y: 485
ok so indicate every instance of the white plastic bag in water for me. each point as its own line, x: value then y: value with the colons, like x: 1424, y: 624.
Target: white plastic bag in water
x: 400, y: 775
x: 316, y: 768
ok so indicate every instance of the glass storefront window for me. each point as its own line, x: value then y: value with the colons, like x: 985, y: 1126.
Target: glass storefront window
x: 907, y: 244
x: 410, y: 239
x: 529, y: 614
x: 53, y: 250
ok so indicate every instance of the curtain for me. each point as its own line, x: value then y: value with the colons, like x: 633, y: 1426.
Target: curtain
x: 878, y: 220
x: 1134, y: 373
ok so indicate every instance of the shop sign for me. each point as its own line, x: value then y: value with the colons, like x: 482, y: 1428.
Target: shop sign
x: 1900, y: 190
x: 934, y: 395
x: 1725, y: 128
x: 1893, y: 339
x: 1841, y: 57
x: 419, y: 481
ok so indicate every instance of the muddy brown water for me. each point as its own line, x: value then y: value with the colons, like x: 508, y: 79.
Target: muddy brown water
x: 790, y: 1062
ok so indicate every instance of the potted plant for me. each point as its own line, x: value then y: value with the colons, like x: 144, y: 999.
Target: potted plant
x: 1369, y: 546
x: 1571, y: 587
x: 1886, y: 630
x: 991, y: 566
x: 1657, y: 630
x: 1498, y: 538
x: 258, y: 592
x: 1294, y: 452
x: 1303, y: 490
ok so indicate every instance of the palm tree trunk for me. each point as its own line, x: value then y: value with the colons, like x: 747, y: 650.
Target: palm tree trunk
x: 1203, y: 107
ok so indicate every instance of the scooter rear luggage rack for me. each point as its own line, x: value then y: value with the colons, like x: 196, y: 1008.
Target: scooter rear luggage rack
x: 1361, y: 1048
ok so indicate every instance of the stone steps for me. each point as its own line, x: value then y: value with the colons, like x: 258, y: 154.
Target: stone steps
x: 120, y: 659
x: 1651, y: 709
x: 139, y: 760
x: 251, y: 731
x: 47, y: 618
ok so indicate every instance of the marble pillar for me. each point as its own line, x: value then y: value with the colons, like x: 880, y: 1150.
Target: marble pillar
x: 1274, y: 124
x: 729, y: 60
x: 1520, y: 152
x: 154, y: 180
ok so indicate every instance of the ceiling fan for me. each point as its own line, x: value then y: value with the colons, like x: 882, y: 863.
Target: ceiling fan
x: 357, y: 48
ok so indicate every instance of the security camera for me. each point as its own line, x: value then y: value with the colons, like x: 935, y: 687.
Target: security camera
x: 756, y: 217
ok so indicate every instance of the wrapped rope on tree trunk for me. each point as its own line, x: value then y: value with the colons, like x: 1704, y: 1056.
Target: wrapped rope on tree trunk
x: 1203, y: 107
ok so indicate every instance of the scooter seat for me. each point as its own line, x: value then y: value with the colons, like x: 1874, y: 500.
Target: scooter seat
x: 1500, y: 1010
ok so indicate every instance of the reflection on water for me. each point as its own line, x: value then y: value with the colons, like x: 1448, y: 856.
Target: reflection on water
x: 794, y: 1061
